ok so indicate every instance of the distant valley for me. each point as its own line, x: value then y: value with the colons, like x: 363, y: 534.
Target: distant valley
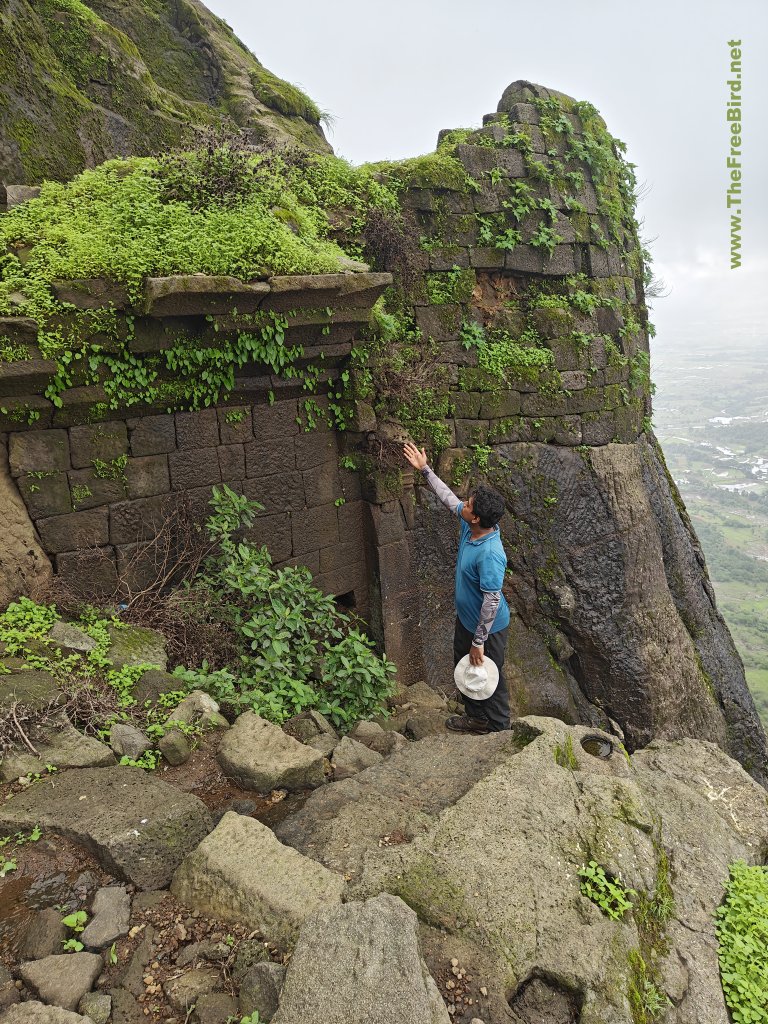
x: 711, y: 417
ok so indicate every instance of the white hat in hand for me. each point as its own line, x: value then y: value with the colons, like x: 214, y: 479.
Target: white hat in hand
x: 476, y: 681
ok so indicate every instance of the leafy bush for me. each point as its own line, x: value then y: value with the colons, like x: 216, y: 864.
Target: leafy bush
x: 297, y: 650
x: 742, y: 933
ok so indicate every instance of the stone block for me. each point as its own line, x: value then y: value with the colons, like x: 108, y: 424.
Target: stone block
x: 91, y: 293
x: 15, y: 195
x: 466, y: 404
x: 303, y: 291
x: 194, y: 468
x: 346, y: 553
x: 563, y: 430
x: 278, y: 420
x: 235, y: 425
x: 569, y: 355
x: 525, y: 259
x: 74, y: 531
x: 388, y: 523
x: 147, y: 476
x: 197, y: 429
x: 44, y: 451
x: 345, y: 580
x: 448, y: 257
x: 275, y: 532
x: 88, y: 490
x: 486, y: 258
x: 460, y: 229
x: 29, y: 412
x: 92, y: 573
x: 19, y: 329
x: 598, y: 428
x: 268, y: 456
x: 132, y: 521
x: 351, y: 519
x: 103, y: 442
x: 152, y: 435
x: 598, y: 261
x: 315, y: 528
x: 232, y: 461
x: 81, y: 406
x: 137, y: 566
x: 442, y: 323
x: 563, y: 261
x: 469, y: 432
x: 45, y: 496
x: 309, y: 560
x: 196, y: 294
x: 500, y: 404
x: 574, y: 380
x: 487, y: 200
x: 25, y: 376
x: 281, y: 492
x: 351, y: 484
x: 315, y: 448
x: 322, y: 484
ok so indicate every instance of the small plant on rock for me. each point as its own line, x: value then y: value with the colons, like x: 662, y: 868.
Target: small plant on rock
x: 604, y: 891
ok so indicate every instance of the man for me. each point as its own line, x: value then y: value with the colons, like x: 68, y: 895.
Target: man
x: 482, y: 613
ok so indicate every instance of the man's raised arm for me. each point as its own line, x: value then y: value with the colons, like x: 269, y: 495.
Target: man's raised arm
x: 418, y: 459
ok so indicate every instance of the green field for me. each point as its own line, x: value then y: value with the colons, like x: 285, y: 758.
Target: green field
x: 711, y: 416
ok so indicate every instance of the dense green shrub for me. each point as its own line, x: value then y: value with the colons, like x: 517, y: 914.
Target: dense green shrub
x: 297, y: 650
x: 742, y: 933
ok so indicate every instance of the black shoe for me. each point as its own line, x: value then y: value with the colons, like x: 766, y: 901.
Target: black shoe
x: 462, y: 723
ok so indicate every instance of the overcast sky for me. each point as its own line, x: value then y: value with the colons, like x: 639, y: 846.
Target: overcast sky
x: 392, y: 75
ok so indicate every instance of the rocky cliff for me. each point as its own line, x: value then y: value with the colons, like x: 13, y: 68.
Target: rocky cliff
x: 85, y: 82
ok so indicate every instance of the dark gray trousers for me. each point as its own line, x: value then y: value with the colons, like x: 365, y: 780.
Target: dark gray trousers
x: 494, y: 709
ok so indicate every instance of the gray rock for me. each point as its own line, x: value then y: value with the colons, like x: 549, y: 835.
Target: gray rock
x: 64, y: 979
x: 175, y: 747
x: 241, y: 873
x: 425, y: 722
x: 216, y: 952
x: 135, y: 645
x: 9, y: 994
x: 132, y: 977
x: 33, y: 1012
x: 343, y: 822
x: 128, y: 741
x: 323, y: 743
x: 28, y: 686
x: 260, y: 990
x: 260, y: 756
x: 373, y: 736
x: 59, y: 744
x: 97, y: 1006
x: 125, y: 1007
x: 44, y: 935
x: 307, y: 725
x: 344, y: 965
x: 215, y: 1008
x: 139, y: 827
x: 351, y: 757
x: 199, y: 708
x: 111, y: 916
x: 70, y: 638
x: 184, y: 991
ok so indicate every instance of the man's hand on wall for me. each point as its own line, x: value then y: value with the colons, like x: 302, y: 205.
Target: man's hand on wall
x: 416, y: 457
x: 476, y: 655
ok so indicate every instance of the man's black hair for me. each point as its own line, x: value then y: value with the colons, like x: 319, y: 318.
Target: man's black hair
x: 488, y: 505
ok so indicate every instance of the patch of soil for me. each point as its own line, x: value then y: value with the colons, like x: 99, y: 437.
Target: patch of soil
x: 52, y: 872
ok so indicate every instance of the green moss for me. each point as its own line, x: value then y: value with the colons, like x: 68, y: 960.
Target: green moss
x: 283, y: 96
x: 450, y: 286
x: 433, y: 170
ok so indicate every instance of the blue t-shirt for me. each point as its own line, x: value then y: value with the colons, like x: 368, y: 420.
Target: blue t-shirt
x: 480, y: 567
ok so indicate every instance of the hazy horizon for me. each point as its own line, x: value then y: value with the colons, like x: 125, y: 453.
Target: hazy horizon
x: 391, y: 80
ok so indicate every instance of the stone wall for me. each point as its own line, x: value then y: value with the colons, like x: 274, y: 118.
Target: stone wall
x: 98, y: 483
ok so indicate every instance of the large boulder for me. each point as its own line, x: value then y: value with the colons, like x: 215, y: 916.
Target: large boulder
x: 261, y: 757
x: 495, y: 878
x: 343, y: 822
x: 241, y: 873
x: 139, y: 827
x: 64, y: 979
x: 357, y: 963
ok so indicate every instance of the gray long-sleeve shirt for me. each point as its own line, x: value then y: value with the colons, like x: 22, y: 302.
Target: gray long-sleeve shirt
x: 491, y: 599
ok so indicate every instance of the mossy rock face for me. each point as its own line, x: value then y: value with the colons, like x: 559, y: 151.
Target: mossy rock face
x: 85, y: 82
x: 135, y: 645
